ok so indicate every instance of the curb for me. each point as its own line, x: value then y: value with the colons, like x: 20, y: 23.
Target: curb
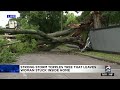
x: 100, y: 58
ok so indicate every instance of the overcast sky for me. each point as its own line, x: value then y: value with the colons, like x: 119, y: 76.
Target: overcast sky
x: 4, y: 20
x: 76, y: 14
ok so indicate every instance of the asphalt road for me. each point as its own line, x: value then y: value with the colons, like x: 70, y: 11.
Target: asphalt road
x: 59, y: 59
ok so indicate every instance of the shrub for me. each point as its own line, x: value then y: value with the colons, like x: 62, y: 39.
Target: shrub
x: 9, y: 53
x: 24, y: 47
x: 6, y: 56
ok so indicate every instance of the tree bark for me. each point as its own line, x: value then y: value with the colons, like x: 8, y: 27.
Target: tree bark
x: 13, y: 32
x: 97, y: 19
x: 62, y: 33
x: 40, y: 33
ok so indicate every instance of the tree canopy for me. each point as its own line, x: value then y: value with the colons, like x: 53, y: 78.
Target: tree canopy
x: 46, y: 21
x: 111, y: 17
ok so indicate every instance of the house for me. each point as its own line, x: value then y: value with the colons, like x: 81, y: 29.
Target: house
x: 11, y: 24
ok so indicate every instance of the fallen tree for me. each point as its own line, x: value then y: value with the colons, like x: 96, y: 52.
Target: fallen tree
x: 76, y: 35
x: 38, y: 32
x: 52, y: 39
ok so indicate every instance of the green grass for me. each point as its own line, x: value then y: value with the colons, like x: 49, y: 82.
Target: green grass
x: 1, y: 37
x: 64, y: 48
x: 102, y: 55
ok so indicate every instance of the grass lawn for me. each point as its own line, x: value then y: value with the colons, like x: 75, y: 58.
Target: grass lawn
x: 65, y: 48
x: 102, y: 55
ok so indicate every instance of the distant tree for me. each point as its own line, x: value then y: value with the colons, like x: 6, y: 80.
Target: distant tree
x: 47, y: 21
x: 71, y: 19
x: 84, y: 15
x: 108, y: 17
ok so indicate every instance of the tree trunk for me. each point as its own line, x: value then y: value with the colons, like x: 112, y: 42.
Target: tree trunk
x: 97, y: 19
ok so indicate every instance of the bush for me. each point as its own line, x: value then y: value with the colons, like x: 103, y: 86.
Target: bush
x: 24, y: 47
x: 6, y: 56
x: 3, y: 41
x: 9, y: 53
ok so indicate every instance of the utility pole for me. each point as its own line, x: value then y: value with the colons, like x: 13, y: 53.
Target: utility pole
x: 61, y: 20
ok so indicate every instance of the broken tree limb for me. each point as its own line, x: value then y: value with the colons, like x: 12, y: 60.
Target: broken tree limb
x: 55, y: 34
x: 61, y: 40
x: 72, y: 46
x: 61, y: 33
x: 40, y: 33
x: 66, y: 40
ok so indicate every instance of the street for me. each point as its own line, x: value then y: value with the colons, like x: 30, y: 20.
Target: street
x: 59, y: 59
